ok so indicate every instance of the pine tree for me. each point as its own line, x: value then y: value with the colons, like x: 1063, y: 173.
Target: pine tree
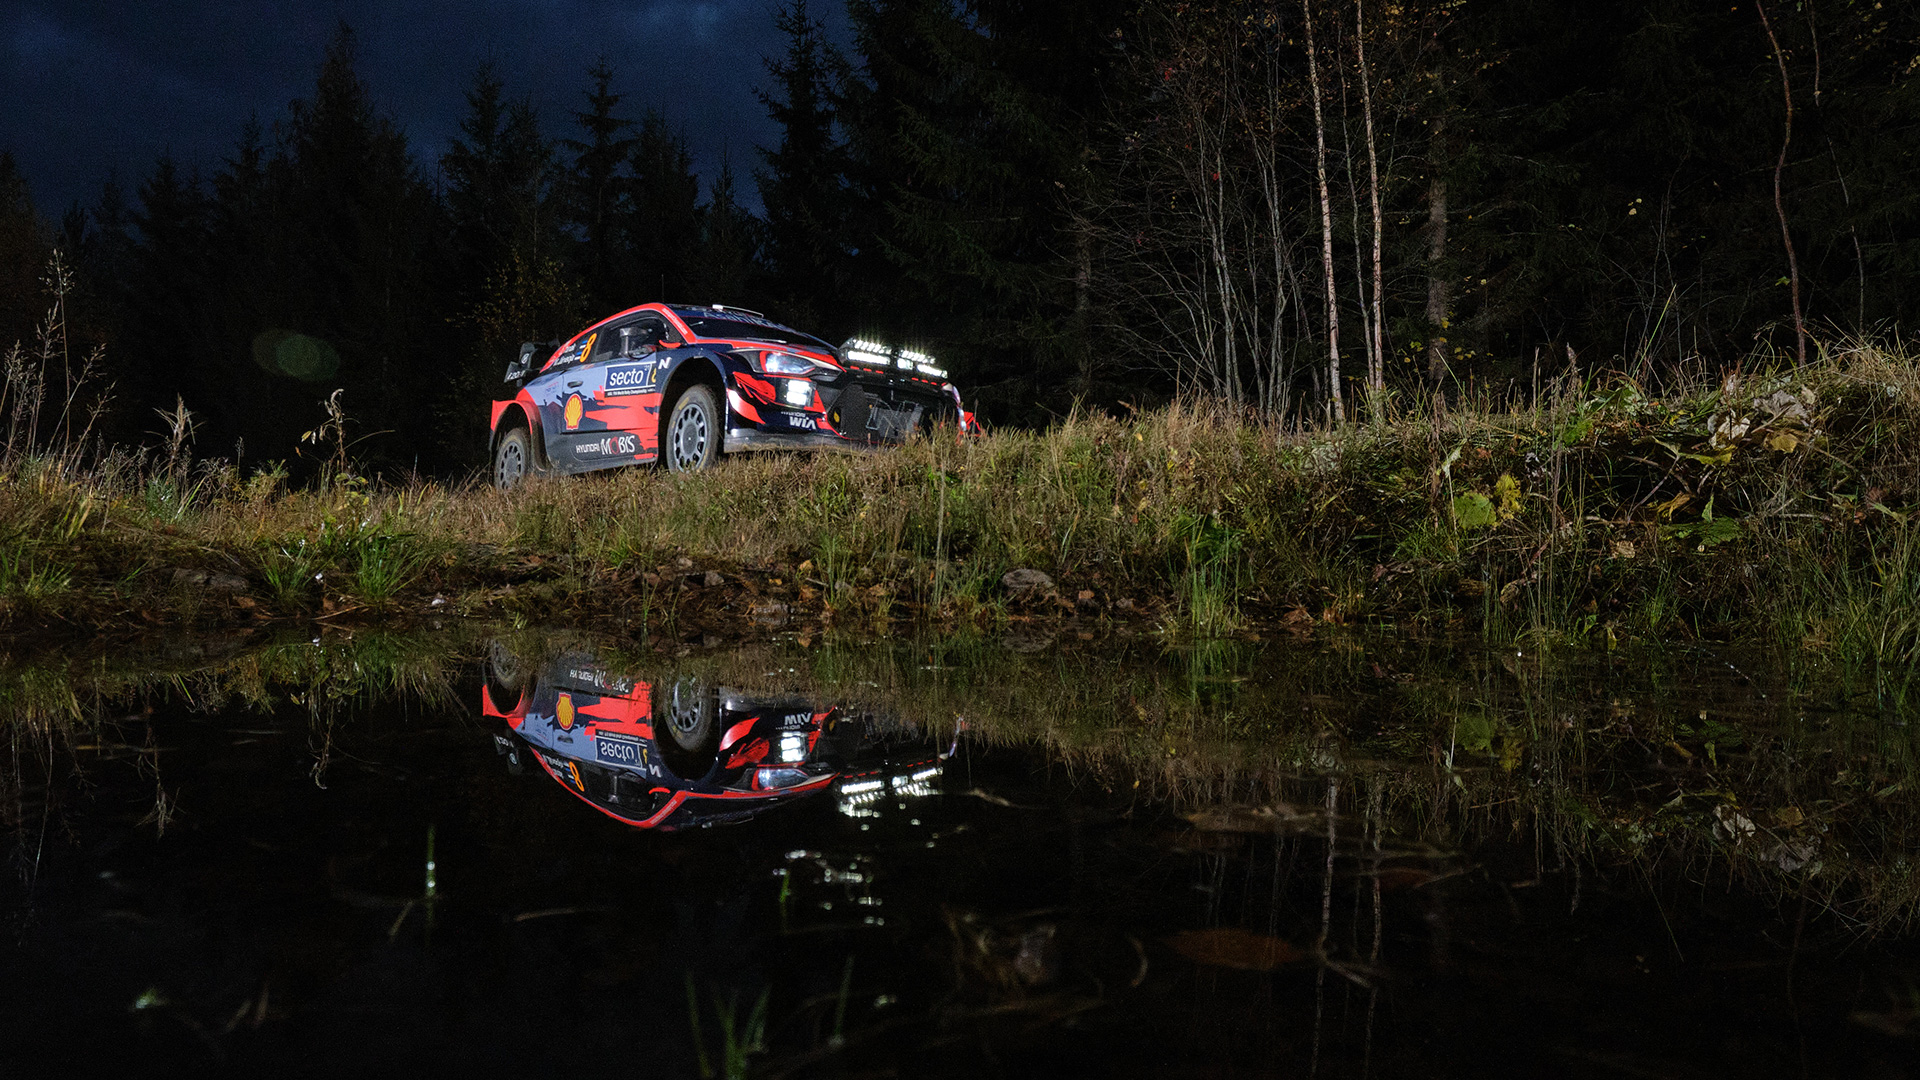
x: 964, y: 139
x: 506, y: 246
x: 726, y: 268
x: 500, y: 182
x: 24, y: 248
x: 662, y: 226
x: 597, y: 197
x: 803, y: 186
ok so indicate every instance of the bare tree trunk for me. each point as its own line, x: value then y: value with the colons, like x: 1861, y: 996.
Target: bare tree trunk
x: 1833, y: 155
x: 1438, y: 285
x: 1218, y: 243
x: 1376, y: 348
x: 1083, y: 304
x: 1779, y: 201
x: 1326, y: 221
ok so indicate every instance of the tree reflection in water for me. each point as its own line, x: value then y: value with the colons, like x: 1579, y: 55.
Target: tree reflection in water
x: 1364, y: 856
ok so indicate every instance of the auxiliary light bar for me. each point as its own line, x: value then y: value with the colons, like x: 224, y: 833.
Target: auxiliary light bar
x: 874, y: 354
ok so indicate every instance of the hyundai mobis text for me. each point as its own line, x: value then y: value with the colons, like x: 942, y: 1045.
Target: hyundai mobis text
x: 684, y: 385
x: 678, y: 752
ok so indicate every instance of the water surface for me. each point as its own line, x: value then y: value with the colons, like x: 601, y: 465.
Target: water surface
x: 546, y: 852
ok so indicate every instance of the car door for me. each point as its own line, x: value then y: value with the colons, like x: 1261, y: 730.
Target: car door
x: 580, y: 427
x: 636, y: 370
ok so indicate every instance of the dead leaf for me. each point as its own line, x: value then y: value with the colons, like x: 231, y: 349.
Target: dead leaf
x: 1232, y: 947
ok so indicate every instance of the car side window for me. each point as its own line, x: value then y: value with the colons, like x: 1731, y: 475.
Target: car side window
x: 642, y: 336
x: 569, y: 356
x: 664, y: 332
x: 606, y: 344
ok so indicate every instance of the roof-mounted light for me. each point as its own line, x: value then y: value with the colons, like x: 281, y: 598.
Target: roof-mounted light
x: 875, y: 354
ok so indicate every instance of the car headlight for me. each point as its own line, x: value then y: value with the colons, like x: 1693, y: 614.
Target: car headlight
x: 780, y: 363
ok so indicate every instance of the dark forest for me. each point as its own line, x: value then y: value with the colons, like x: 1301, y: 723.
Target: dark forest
x: 1304, y: 209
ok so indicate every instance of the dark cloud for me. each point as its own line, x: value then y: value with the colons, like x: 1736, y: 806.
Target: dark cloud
x: 92, y: 86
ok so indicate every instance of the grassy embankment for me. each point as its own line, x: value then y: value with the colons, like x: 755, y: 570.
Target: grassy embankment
x: 1777, y: 507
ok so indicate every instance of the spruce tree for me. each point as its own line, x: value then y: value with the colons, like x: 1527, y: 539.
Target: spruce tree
x: 509, y: 284
x: 726, y: 269
x: 662, y: 222
x: 965, y: 152
x: 23, y: 256
x: 597, y: 196
x: 803, y: 183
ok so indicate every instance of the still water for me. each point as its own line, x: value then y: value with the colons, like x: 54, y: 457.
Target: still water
x: 549, y: 853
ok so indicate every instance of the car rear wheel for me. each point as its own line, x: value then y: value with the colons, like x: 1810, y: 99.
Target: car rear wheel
x: 693, y: 431
x: 686, y: 727
x: 512, y: 459
x: 506, y: 676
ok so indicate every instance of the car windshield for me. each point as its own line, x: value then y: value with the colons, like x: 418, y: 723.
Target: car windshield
x: 746, y: 328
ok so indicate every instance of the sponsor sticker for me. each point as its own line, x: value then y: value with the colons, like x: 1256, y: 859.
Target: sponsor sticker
x: 635, y: 378
x: 600, y: 679
x: 563, y: 712
x: 575, y: 410
x: 805, y: 423
x: 617, y: 749
x: 611, y: 446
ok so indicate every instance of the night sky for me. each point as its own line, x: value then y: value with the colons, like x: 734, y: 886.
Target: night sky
x: 89, y: 87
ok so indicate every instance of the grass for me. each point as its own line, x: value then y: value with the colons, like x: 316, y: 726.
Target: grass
x: 1776, y: 504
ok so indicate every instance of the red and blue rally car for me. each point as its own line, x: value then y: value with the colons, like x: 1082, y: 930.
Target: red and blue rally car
x: 679, y: 754
x: 684, y: 385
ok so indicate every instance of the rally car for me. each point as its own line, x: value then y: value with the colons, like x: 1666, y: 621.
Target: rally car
x: 684, y: 385
x: 679, y: 753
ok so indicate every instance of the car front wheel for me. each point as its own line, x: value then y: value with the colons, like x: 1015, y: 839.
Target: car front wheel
x: 693, y: 431
x: 512, y: 459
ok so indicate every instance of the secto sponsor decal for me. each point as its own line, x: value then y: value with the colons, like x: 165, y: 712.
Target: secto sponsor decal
x: 618, y: 749
x: 631, y: 378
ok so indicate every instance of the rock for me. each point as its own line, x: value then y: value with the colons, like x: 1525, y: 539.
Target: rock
x: 1085, y: 601
x: 212, y: 581
x: 768, y: 613
x: 1027, y: 642
x: 1023, y: 582
x: 683, y: 563
x: 714, y: 579
x: 1125, y: 604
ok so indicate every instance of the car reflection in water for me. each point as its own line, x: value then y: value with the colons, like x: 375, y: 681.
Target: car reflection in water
x: 682, y: 753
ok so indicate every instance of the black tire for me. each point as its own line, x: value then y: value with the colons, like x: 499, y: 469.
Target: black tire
x: 686, y: 727
x: 506, y: 676
x: 513, y: 459
x: 694, y: 430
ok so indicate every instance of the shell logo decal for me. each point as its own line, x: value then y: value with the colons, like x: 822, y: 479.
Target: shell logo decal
x: 575, y: 410
x: 563, y: 712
